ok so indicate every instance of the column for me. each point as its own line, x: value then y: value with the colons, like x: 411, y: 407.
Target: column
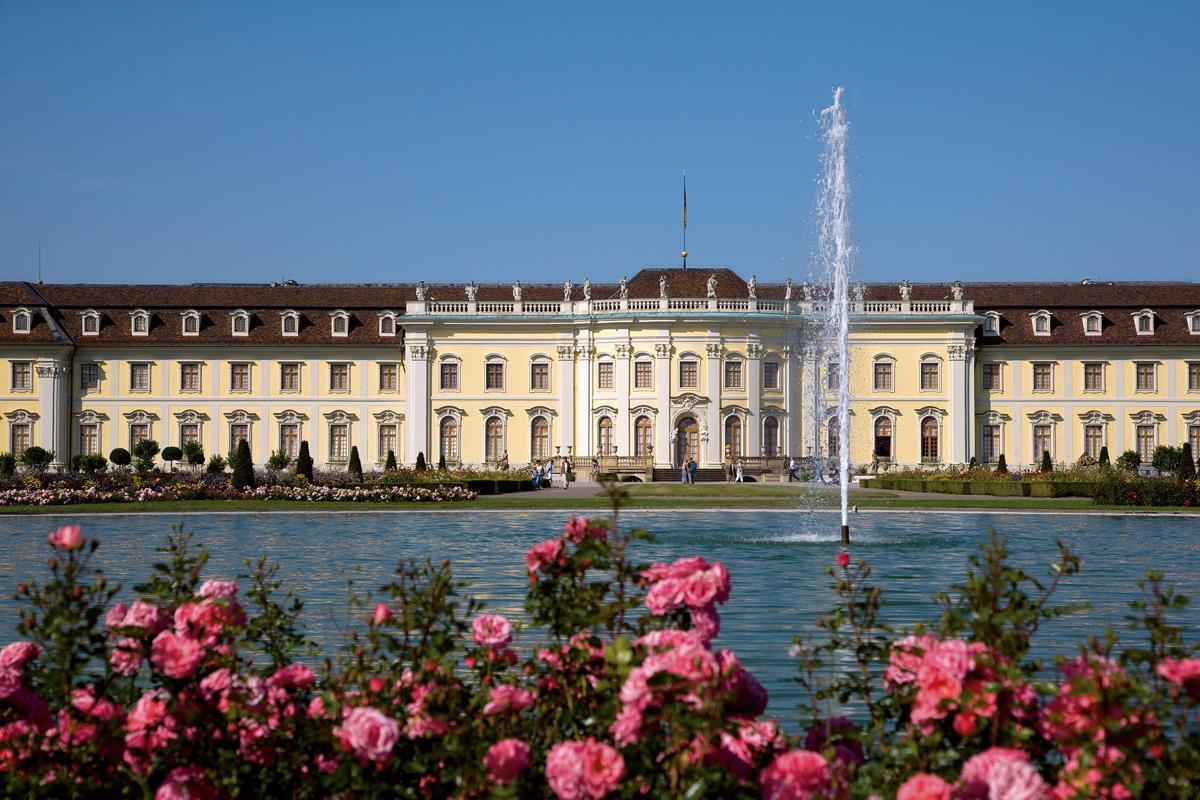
x: 754, y: 399
x: 416, y: 399
x: 621, y: 434
x: 791, y: 436
x: 662, y: 391
x: 714, y: 452
x: 809, y: 425
x: 54, y: 409
x: 583, y: 402
x: 566, y: 396
x: 956, y: 429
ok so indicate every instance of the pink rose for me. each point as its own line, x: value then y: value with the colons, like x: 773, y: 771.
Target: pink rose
x: 586, y: 770
x: 580, y: 528
x: 18, y: 654
x: 983, y: 771
x: 564, y: 770
x: 706, y: 623
x: 146, y: 616
x: 505, y: 760
x: 665, y: 595
x: 491, y: 630
x: 382, y: 613
x: 795, y: 775
x: 542, y: 554
x: 219, y: 590
x: 507, y: 697
x: 115, y: 617
x: 923, y: 786
x: 369, y: 733
x: 700, y: 589
x: 68, y: 537
x: 126, y: 656
x: 1016, y: 780
x: 186, y: 783
x: 843, y: 559
x: 292, y: 675
x: 603, y: 768
x: 1183, y: 672
x: 176, y: 656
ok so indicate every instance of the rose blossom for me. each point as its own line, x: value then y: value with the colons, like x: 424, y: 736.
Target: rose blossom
x: 382, y: 613
x: 603, y: 768
x: 370, y: 733
x: 18, y: 654
x: 174, y: 655
x: 219, y: 590
x: 843, y: 559
x: 923, y: 786
x: 491, y: 630
x: 542, y: 554
x: 68, y: 537
x: 126, y: 656
x: 795, y: 775
x: 507, y: 697
x: 1183, y: 672
x: 982, y: 773
x: 186, y: 783
x: 505, y: 760
x: 580, y: 528
x: 586, y: 770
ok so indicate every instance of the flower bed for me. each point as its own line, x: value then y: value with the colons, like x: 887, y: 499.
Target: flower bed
x: 194, y: 691
x: 210, y: 490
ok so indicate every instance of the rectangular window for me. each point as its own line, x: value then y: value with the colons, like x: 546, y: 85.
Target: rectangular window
x: 604, y: 375
x: 189, y: 377
x: 239, y: 377
x: 89, y: 439
x: 289, y: 438
x: 339, y: 377
x: 929, y: 376
x: 20, y: 435
x: 733, y: 374
x: 89, y: 376
x: 289, y: 377
x: 22, y: 376
x: 1093, y: 440
x: 643, y: 375
x: 1093, y: 377
x: 1145, y: 376
x: 990, y: 442
x: 1145, y: 442
x: 1042, y: 442
x: 189, y: 432
x: 539, y: 376
x: 389, y: 377
x: 689, y: 374
x: 1194, y: 438
x: 137, y: 432
x: 139, y: 377
x: 770, y: 374
x: 1194, y: 377
x: 883, y: 376
x: 991, y: 377
x: 831, y: 376
x: 1043, y: 379
x: 493, y: 376
x: 238, y: 432
x: 449, y: 376
x: 339, y: 438
x: 387, y: 440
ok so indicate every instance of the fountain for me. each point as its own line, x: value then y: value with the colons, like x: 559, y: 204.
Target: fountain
x: 836, y: 256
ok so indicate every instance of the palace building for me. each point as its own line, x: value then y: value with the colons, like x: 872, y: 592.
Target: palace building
x: 668, y: 365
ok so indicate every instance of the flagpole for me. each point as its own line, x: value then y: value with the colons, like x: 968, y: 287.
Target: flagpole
x: 684, y: 253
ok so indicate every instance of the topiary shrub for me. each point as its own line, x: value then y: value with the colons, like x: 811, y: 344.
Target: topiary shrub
x: 1187, y: 465
x: 1047, y: 463
x: 120, y: 457
x: 421, y: 462
x: 243, y: 467
x: 93, y: 463
x: 390, y: 464
x: 8, y: 464
x: 304, y: 462
x: 1103, y: 461
x: 974, y: 464
x: 441, y: 462
x: 355, y: 465
x: 1129, y: 460
x: 36, y: 459
x: 1002, y: 465
x: 216, y: 465
x: 171, y: 455
x: 193, y: 453
x: 144, y: 453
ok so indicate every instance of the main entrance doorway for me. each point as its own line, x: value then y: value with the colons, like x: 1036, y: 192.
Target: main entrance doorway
x: 687, y: 440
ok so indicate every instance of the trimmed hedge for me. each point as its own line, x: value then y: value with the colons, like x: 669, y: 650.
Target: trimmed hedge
x: 1061, y: 489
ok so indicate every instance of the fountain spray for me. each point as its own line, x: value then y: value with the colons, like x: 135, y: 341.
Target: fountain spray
x: 837, y: 257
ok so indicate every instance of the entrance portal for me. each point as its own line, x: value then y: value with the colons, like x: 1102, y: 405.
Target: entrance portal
x: 687, y: 440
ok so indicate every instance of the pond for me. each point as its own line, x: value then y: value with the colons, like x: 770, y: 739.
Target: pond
x: 777, y: 561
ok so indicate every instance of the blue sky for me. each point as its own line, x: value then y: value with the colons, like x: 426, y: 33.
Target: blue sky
x: 183, y: 142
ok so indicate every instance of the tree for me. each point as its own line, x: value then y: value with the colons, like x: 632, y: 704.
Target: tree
x: 421, y: 461
x: 216, y: 465
x: 1129, y: 461
x: 279, y: 460
x: 8, y: 464
x: 93, y: 463
x: 171, y: 455
x: 243, y: 467
x: 390, y: 464
x: 120, y: 457
x: 304, y: 462
x: 1104, y: 457
x: 144, y: 452
x: 441, y: 462
x: 193, y: 453
x: 1187, y: 466
x: 1002, y: 466
x: 1166, y: 458
x: 355, y: 465
x: 1047, y: 463
x: 36, y: 459
x: 974, y: 464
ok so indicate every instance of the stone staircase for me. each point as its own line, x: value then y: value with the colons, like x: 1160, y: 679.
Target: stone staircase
x: 703, y: 474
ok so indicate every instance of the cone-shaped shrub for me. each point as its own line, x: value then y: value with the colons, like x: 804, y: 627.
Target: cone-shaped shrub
x: 1002, y: 465
x: 1187, y: 466
x: 304, y: 462
x: 1104, y: 457
x: 355, y: 465
x: 442, y: 462
x: 421, y: 461
x: 390, y: 464
x: 243, y: 467
x: 1047, y: 464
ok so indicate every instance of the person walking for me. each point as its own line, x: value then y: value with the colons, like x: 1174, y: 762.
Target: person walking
x: 683, y: 471
x: 691, y: 471
x: 738, y: 472
x: 537, y: 475
x: 792, y: 467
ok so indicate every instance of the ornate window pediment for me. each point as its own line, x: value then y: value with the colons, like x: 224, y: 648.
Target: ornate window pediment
x: 993, y: 418
x: 1043, y: 418
x: 240, y: 417
x: 21, y: 415
x: 883, y: 411
x: 90, y: 417
x: 541, y: 411
x: 646, y: 410
x: 388, y: 417
x: 1041, y: 322
x: 289, y: 323
x: 1146, y: 418
x: 340, y: 417
x: 604, y: 411
x: 290, y: 417
x: 140, y: 417
x: 495, y: 411
x: 449, y: 411
x: 191, y: 417
x: 931, y: 411
x: 1095, y: 418
x: 1192, y: 418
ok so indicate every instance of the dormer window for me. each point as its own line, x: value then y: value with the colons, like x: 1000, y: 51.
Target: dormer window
x: 1143, y: 322
x: 339, y: 323
x: 1093, y: 323
x: 1193, y: 323
x: 91, y: 323
x: 191, y: 323
x: 141, y: 323
x: 290, y: 323
x: 991, y: 324
x: 1041, y: 323
x: 387, y: 323
x: 22, y: 320
x: 241, y: 323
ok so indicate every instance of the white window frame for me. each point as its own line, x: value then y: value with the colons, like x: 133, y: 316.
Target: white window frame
x: 778, y: 387
x: 991, y: 324
x: 234, y: 318
x: 456, y: 362
x: 87, y: 316
x: 349, y: 377
x: 1153, y: 377
x: 1193, y: 322
x: 394, y: 365
x: 1037, y: 316
x: 134, y: 318
x: 12, y: 375
x: 199, y: 365
x: 881, y: 358
x: 644, y: 360
x: 335, y: 317
x: 741, y: 362
x: 490, y: 360
x: 19, y: 315
x: 929, y: 358
x: 488, y: 415
x: 1087, y: 317
x: 149, y: 377
x: 541, y: 360
x: 1103, y: 377
x: 299, y: 365
x: 999, y: 385
x: 82, y: 386
x: 294, y: 317
x: 389, y: 318
x: 1033, y: 365
x: 336, y: 458
x: 1137, y: 322
x: 189, y: 316
x: 249, y: 365
x: 612, y: 369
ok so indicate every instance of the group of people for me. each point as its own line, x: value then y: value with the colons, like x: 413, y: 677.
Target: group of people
x: 688, y: 471
x: 543, y: 473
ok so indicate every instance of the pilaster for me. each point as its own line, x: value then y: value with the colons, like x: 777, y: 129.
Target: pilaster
x: 957, y: 428
x: 621, y: 368
x: 791, y: 436
x: 754, y: 398
x: 566, y: 398
x: 712, y: 425
x: 416, y: 398
x: 662, y: 392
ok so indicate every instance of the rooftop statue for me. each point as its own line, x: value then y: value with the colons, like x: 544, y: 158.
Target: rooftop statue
x: 905, y: 291
x: 471, y: 291
x: 787, y: 289
x: 567, y: 287
x: 421, y: 292
x: 752, y: 287
x: 956, y: 290
x: 587, y: 289
x: 517, y: 291
x: 662, y: 285
x: 712, y: 285
x: 624, y: 289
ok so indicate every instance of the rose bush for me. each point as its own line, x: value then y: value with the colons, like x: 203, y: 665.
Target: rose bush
x: 209, y: 688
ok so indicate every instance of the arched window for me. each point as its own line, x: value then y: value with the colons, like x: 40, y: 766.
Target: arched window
x: 733, y: 437
x: 241, y: 323
x: 883, y: 438
x: 771, y: 436
x: 604, y: 436
x: 91, y: 323
x: 339, y: 323
x: 930, y: 452
x: 539, y: 438
x: 833, y: 439
x: 448, y: 430
x: 290, y: 322
x: 22, y: 321
x: 493, y: 439
x: 191, y: 323
x: 643, y: 436
x: 141, y: 323
x: 991, y: 324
